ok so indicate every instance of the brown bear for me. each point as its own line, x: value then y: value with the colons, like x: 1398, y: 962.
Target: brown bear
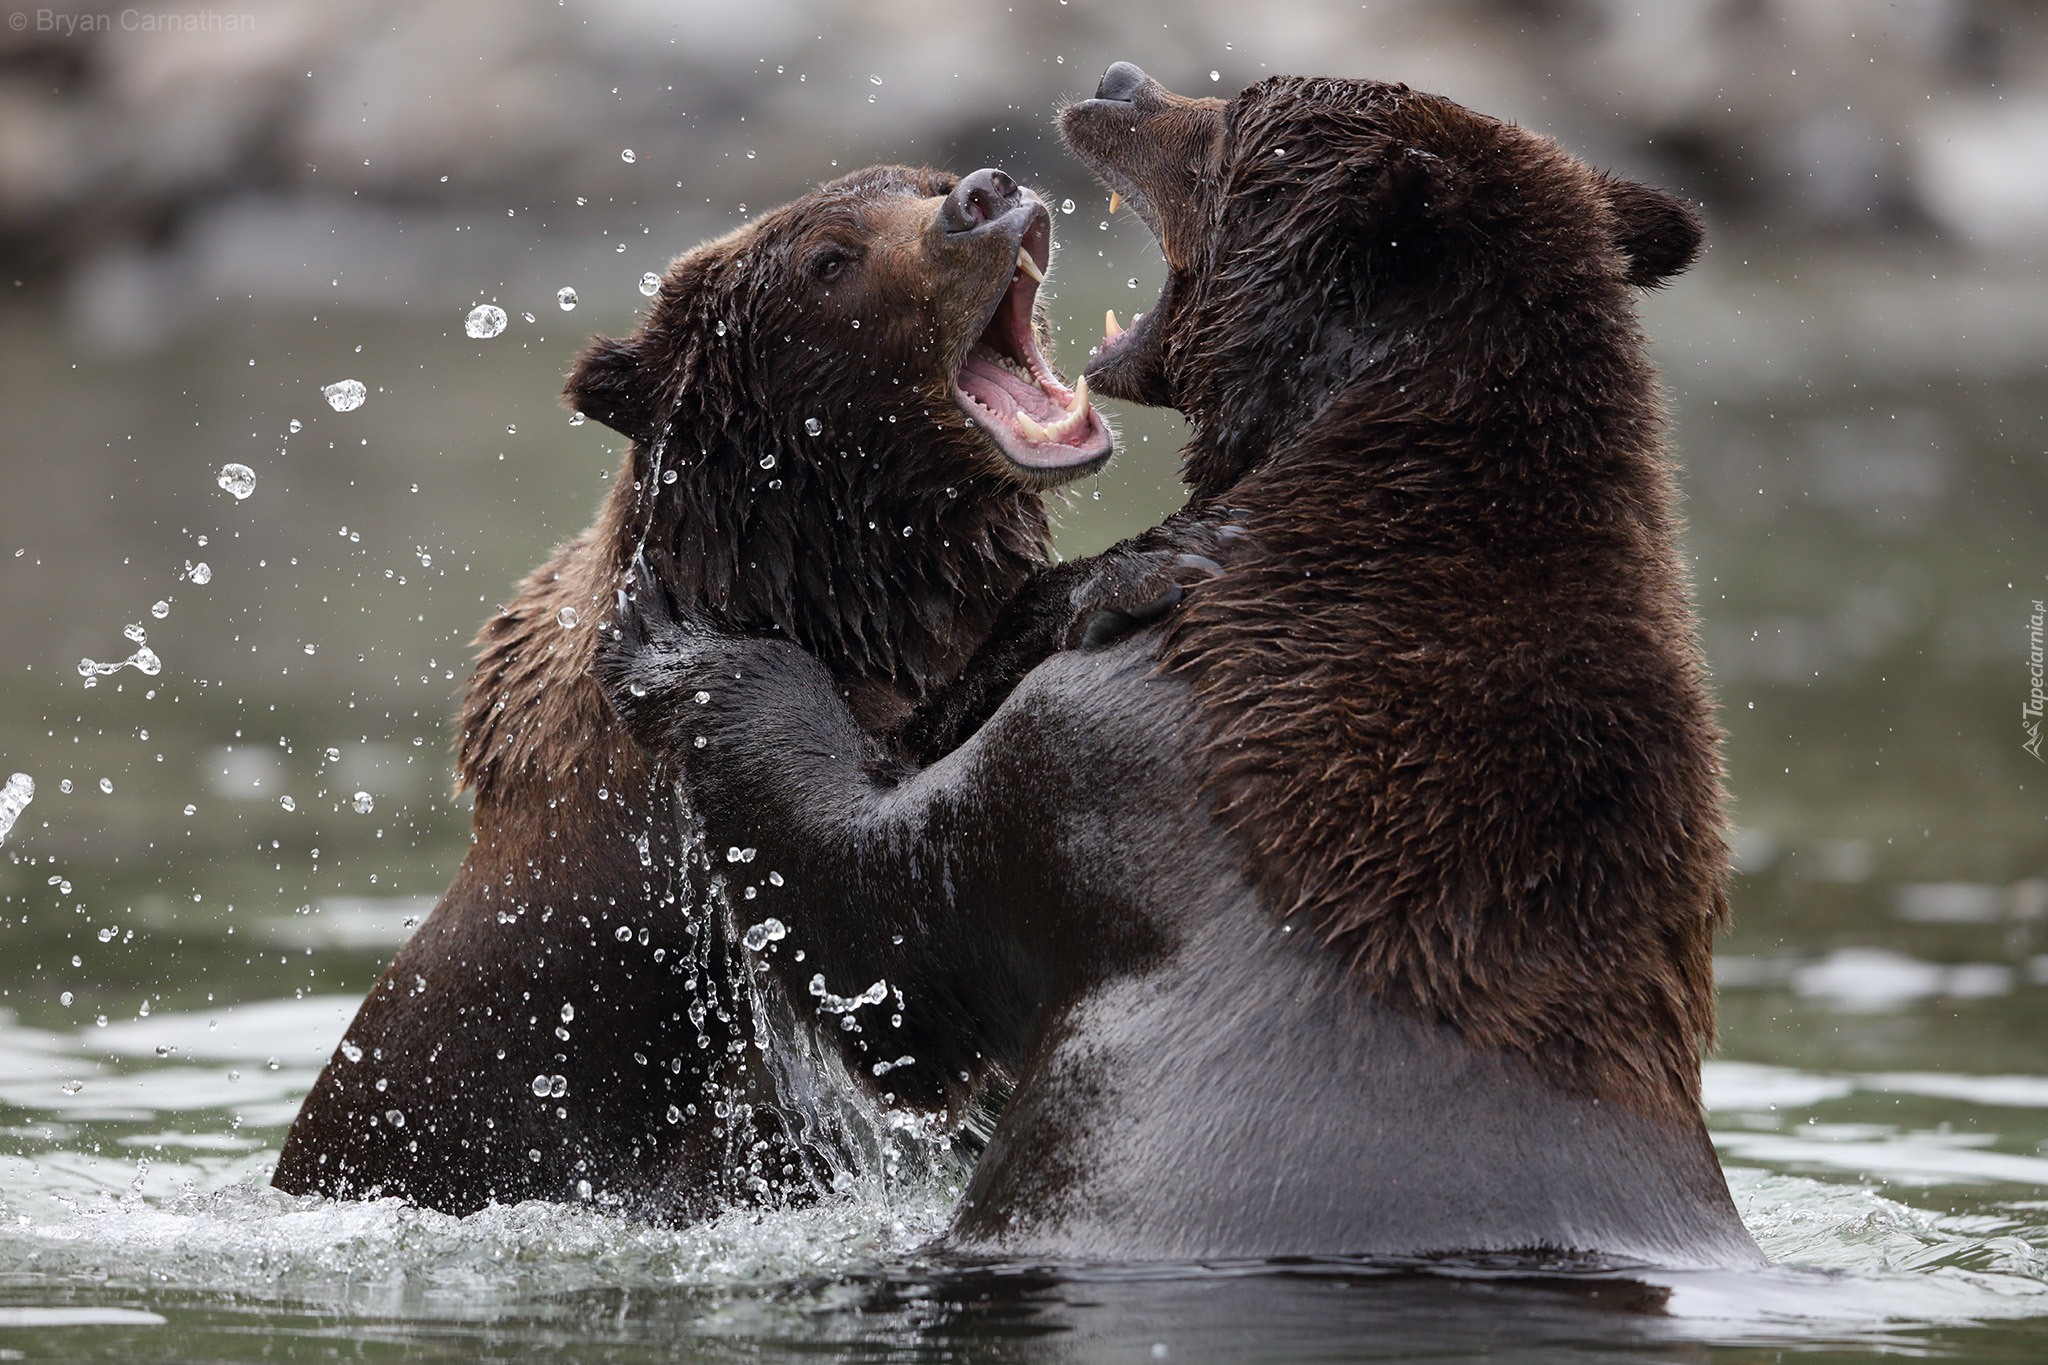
x: 841, y: 419
x: 1363, y: 904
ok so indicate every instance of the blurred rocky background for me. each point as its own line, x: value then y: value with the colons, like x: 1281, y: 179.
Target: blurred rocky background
x: 153, y: 156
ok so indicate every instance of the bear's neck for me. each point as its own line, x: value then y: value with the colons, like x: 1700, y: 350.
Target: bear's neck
x: 822, y: 560
x: 1456, y: 707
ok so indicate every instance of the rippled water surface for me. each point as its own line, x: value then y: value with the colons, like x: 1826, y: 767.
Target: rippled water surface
x: 182, y: 944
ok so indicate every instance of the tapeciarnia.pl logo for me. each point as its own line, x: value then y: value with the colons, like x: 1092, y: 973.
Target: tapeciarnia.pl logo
x: 2030, y: 713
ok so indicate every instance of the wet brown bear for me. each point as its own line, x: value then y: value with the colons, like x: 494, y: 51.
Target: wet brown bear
x: 1364, y: 904
x: 803, y: 395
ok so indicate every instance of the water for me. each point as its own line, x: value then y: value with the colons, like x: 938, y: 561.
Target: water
x: 1858, y: 506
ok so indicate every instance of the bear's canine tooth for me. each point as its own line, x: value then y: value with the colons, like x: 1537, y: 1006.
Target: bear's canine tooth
x: 1080, y: 399
x: 1111, y: 330
x: 1029, y: 428
x: 1029, y: 266
x: 1114, y: 200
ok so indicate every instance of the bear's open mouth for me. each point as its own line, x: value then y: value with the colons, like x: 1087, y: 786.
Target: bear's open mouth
x: 1118, y: 340
x: 1006, y: 388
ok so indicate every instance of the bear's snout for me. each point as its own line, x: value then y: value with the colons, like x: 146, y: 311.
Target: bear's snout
x: 981, y: 198
x: 1121, y: 82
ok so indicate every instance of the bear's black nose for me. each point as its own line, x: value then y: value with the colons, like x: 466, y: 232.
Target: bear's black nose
x: 983, y: 197
x: 1121, y: 82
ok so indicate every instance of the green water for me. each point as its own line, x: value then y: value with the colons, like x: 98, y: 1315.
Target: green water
x: 1867, y: 546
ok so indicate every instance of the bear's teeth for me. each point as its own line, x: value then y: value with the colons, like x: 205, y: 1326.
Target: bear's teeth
x: 1110, y: 329
x: 1080, y: 398
x: 1030, y: 429
x: 1029, y: 266
x: 1114, y: 200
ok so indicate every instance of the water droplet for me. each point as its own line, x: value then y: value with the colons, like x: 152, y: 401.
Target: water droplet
x: 200, y: 573
x: 668, y: 476
x: 558, y: 1086
x: 287, y: 803
x: 191, y: 809
x: 566, y: 297
x: 540, y: 1086
x: 675, y: 1115
x: 766, y: 932
x: 577, y: 419
x: 19, y: 790
x: 650, y: 283
x: 623, y: 933
x: 311, y: 648
x: 1215, y: 75
x: 874, y: 80
x: 567, y: 617
x: 568, y: 1014
x: 767, y: 462
x: 238, y: 479
x: 65, y: 998
x: 345, y: 395
x: 750, y: 153
x: 352, y: 1052
x: 700, y: 741
x: 1066, y: 206
x: 160, y: 610
x: 73, y: 1087
x: 484, y: 321
x: 107, y: 785
x: 1131, y: 283
x: 334, y: 755
x: 813, y: 425
x: 296, y: 427
x: 626, y: 156
x: 702, y: 698
x: 364, y: 803
x: 64, y: 786
x: 395, y: 1117
x: 719, y: 327
x: 583, y: 1189
x: 511, y: 430
x: 107, y: 934
x: 774, y: 879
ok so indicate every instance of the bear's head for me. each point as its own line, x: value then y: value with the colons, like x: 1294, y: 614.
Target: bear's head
x: 1319, y: 233
x: 843, y: 416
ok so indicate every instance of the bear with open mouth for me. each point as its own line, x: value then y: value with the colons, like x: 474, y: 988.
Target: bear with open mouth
x: 842, y: 418
x: 1363, y: 903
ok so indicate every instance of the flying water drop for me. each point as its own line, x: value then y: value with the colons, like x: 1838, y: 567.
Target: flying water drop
x: 566, y: 297
x: 237, y: 479
x: 766, y: 932
x: 20, y: 789
x: 486, y: 320
x: 649, y: 284
x: 345, y: 395
x: 364, y: 803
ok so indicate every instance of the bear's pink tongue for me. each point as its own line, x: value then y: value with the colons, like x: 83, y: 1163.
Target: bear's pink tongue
x: 1005, y: 385
x: 1039, y: 409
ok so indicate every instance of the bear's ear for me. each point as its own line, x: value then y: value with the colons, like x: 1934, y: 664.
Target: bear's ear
x: 1658, y: 232
x: 610, y: 384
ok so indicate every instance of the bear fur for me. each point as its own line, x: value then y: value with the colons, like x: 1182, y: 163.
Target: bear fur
x: 566, y: 1024
x: 1364, y: 904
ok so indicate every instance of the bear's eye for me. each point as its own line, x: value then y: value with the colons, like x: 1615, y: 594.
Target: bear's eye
x: 829, y: 264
